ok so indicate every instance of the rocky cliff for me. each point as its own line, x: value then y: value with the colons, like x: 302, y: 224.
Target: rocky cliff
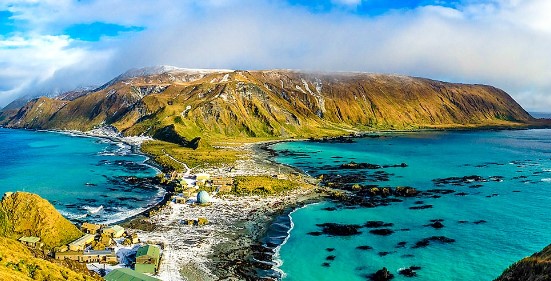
x: 534, y: 268
x: 275, y: 104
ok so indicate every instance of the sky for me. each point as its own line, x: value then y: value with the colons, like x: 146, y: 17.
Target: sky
x: 49, y: 46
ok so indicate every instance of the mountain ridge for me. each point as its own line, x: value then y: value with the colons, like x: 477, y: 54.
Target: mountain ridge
x: 219, y: 103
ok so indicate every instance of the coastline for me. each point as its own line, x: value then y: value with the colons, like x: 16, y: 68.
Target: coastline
x: 134, y: 145
x: 232, y: 244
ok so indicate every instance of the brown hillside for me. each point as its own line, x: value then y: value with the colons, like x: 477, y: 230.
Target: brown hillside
x: 534, y: 268
x: 271, y: 104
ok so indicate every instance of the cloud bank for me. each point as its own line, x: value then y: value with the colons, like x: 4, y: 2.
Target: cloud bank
x: 504, y: 43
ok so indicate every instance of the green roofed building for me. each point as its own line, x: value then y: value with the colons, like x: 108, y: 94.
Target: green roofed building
x: 148, y: 258
x: 127, y: 274
x: 30, y: 241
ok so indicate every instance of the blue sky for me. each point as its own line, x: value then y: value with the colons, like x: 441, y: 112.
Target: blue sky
x: 367, y: 8
x: 55, y: 45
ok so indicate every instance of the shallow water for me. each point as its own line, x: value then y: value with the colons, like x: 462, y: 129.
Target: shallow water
x: 515, y: 209
x: 83, y: 177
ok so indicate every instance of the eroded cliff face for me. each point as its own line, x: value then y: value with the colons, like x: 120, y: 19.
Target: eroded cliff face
x: 276, y: 103
x: 534, y: 268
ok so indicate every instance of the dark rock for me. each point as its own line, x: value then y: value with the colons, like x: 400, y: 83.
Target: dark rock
x: 326, y: 264
x: 354, y: 165
x: 461, y: 194
x: 330, y: 258
x: 315, y: 233
x: 340, y: 139
x: 440, y: 191
x: 335, y: 229
x: 382, y: 254
x: 382, y: 232
x: 381, y: 275
x: 330, y: 249
x: 406, y: 191
x: 480, y: 221
x: 364, y: 248
x: 426, y: 241
x: 436, y: 225
x: 407, y: 272
x: 421, y: 207
x: 377, y: 224
x: 401, y: 244
x: 459, y: 180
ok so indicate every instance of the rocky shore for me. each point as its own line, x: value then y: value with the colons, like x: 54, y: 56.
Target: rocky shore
x: 229, y: 246
x: 233, y: 243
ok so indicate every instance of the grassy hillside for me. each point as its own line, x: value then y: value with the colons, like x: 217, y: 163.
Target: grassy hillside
x: 222, y: 105
x: 17, y: 263
x: 26, y: 214
x: 534, y: 268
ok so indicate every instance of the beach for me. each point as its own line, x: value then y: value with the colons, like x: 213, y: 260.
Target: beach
x: 236, y: 224
x: 204, y: 252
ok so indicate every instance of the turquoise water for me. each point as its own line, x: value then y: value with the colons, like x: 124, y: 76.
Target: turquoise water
x: 83, y: 177
x: 516, y: 209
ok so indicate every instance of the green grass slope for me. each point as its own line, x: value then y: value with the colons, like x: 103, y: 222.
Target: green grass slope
x: 26, y: 214
x: 272, y: 104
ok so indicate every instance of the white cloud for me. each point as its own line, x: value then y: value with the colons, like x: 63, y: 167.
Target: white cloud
x: 31, y: 63
x: 352, y: 3
x: 500, y: 42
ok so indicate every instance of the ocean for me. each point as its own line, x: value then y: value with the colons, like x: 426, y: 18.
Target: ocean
x: 86, y: 179
x: 494, y: 219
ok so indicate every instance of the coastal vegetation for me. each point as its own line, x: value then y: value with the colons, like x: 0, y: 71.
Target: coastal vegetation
x: 263, y: 185
x: 533, y: 268
x: 20, y: 264
x: 26, y: 214
x: 173, y: 156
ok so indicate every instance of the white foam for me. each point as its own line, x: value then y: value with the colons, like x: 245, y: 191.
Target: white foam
x: 546, y: 180
x: 276, y: 257
x: 92, y: 210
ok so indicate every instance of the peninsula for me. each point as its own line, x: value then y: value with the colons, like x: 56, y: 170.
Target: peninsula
x: 207, y: 123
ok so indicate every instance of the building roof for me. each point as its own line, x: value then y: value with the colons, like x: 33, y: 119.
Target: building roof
x: 29, y: 239
x: 149, y: 250
x: 83, y: 240
x: 127, y: 274
x: 100, y: 252
x: 90, y: 226
x: 116, y: 228
x: 203, y: 197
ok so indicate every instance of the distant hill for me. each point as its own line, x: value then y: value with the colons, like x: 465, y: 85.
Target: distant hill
x: 214, y: 104
x: 534, y: 268
x: 26, y: 214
